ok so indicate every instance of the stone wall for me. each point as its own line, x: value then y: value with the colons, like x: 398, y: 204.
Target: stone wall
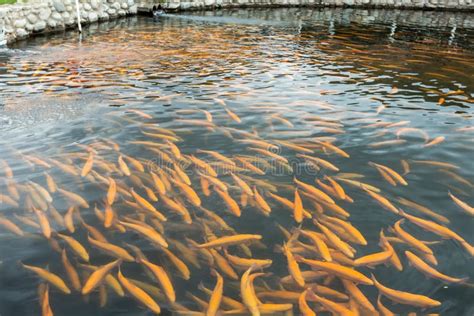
x: 21, y: 20
x: 37, y: 16
x: 465, y: 5
x: 412, y: 19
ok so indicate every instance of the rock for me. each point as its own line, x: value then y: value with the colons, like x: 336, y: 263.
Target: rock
x: 19, y: 24
x: 29, y: 27
x: 172, y: 6
x: 133, y: 9
x: 115, y: 5
x: 20, y: 32
x: 59, y: 6
x: 39, y: 26
x: 8, y: 29
x: 3, y: 12
x: 111, y: 11
x: 94, y: 4
x: 122, y: 12
x: 44, y: 14
x: 52, y: 23
x: 103, y: 16
x: 124, y: 6
x: 130, y: 3
x: 93, y: 17
x: 87, y: 7
x: 70, y: 21
x: 57, y: 16
x: 13, y: 16
x: 32, y: 18
x: 65, y: 15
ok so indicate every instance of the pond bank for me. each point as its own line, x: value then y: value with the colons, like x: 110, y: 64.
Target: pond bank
x: 20, y: 21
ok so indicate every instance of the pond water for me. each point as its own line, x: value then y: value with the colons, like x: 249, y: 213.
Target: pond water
x: 268, y: 90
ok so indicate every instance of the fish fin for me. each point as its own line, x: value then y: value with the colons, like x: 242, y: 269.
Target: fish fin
x: 310, y: 294
x: 201, y: 286
x: 277, y: 249
x: 295, y: 234
x: 401, y: 212
x: 298, y: 257
x: 464, y: 280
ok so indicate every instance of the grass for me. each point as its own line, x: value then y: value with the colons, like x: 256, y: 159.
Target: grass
x: 7, y: 1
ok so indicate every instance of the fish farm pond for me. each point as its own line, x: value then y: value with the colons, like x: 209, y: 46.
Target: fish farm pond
x: 288, y: 161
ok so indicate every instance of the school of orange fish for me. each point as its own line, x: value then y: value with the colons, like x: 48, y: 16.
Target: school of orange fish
x: 189, y: 206
x: 158, y: 198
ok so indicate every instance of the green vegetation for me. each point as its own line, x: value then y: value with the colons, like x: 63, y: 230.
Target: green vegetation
x: 7, y: 1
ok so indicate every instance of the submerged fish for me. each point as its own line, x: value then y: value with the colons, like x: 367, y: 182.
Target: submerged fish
x: 246, y: 203
x: 406, y: 297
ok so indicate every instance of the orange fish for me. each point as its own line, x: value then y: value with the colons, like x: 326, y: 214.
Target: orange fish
x: 298, y: 208
x: 97, y: 276
x: 405, y: 297
x: 139, y: 294
x: 230, y: 240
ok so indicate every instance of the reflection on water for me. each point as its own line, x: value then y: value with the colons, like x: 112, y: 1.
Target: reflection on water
x: 266, y: 99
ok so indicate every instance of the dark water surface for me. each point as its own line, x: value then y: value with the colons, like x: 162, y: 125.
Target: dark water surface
x: 381, y: 91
